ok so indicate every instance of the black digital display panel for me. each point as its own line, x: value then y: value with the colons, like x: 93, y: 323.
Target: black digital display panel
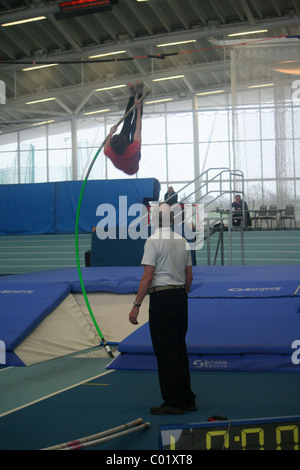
x: 81, y: 4
x: 281, y: 433
x: 70, y: 8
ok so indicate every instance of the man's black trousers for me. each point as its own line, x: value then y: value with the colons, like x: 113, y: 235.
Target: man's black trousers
x: 168, y: 321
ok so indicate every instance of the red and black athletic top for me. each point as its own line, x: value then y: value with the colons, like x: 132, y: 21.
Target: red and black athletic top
x: 128, y: 161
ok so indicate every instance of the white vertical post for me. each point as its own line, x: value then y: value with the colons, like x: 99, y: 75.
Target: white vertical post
x: 2, y: 92
x: 74, y: 150
x: 196, y: 148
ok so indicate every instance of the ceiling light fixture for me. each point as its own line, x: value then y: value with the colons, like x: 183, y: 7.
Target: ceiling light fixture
x: 35, y: 67
x: 29, y: 20
x: 96, y: 112
x: 40, y: 101
x: 247, y: 32
x: 159, y: 101
x: 43, y: 122
x: 110, y: 87
x: 104, y: 55
x: 175, y: 43
x: 261, y: 86
x: 167, y: 78
x: 210, y: 92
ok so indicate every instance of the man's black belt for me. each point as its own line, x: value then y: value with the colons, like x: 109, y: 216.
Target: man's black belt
x: 158, y: 288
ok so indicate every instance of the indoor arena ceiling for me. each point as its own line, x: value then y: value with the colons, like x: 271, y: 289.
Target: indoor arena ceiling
x: 135, y: 34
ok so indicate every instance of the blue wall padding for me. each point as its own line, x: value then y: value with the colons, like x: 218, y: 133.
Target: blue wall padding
x: 117, y: 252
x: 27, y: 209
x: 51, y: 207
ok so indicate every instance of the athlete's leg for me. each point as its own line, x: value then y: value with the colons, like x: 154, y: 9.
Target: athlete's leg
x: 127, y: 125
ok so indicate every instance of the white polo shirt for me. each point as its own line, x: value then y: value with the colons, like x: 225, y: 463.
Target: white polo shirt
x: 170, y: 254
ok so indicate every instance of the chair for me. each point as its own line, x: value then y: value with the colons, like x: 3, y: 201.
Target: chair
x: 262, y: 215
x: 272, y: 214
x: 289, y: 214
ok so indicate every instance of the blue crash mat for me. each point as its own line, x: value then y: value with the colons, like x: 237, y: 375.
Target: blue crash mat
x: 239, y: 311
x: 233, y: 325
x: 247, y: 289
x: 24, y: 305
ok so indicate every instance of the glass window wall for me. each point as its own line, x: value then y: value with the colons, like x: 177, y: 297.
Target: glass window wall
x: 171, y: 149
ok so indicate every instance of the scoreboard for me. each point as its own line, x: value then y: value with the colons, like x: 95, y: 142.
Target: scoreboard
x: 278, y: 433
x: 69, y: 8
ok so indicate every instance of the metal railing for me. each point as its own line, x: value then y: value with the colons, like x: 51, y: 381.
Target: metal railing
x: 210, y: 186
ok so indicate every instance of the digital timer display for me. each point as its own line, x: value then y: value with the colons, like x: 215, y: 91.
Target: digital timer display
x: 70, y: 8
x: 76, y: 4
x: 253, y: 434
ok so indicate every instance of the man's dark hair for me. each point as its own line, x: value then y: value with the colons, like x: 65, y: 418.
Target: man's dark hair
x: 119, y: 144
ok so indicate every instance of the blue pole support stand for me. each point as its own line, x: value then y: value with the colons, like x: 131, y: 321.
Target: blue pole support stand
x: 102, y: 339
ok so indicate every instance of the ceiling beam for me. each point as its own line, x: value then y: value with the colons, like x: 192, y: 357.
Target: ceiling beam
x: 248, y: 12
x: 26, y: 13
x: 137, y: 43
x: 90, y: 87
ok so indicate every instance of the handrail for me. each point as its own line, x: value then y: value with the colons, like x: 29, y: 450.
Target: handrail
x: 205, y: 179
x: 216, y: 177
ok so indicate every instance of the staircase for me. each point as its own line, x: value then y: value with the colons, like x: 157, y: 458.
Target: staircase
x: 205, y: 190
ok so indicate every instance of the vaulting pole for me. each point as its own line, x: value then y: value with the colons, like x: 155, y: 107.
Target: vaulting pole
x: 109, y: 438
x: 112, y: 433
x: 77, y: 224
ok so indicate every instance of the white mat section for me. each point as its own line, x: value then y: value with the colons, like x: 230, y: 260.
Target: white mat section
x: 69, y: 328
x: 111, y: 312
x: 64, y: 331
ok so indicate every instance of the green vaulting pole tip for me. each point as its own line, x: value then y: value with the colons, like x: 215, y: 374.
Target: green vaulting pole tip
x: 77, y: 225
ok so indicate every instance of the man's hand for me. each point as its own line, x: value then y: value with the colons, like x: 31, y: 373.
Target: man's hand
x: 145, y: 283
x: 133, y: 315
x: 113, y: 129
x: 111, y: 132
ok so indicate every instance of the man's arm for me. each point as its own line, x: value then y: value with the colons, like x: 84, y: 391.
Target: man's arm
x: 138, y: 129
x: 108, y: 139
x: 188, y: 278
x: 144, y: 286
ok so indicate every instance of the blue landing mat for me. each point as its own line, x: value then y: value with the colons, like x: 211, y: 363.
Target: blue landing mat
x: 239, y: 319
x: 250, y: 313
x: 118, y: 280
x: 26, y: 299
x: 23, y: 306
x: 236, y: 334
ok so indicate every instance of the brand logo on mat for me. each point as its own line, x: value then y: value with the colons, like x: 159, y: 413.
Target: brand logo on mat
x: 255, y: 289
x: 2, y: 352
x: 296, y: 354
x: 133, y: 221
x: 16, y: 291
x: 207, y: 364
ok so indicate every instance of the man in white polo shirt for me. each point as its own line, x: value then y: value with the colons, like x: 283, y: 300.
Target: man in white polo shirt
x: 168, y: 277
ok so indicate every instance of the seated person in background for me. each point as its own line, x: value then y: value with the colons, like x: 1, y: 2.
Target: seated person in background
x: 171, y: 197
x: 237, y: 213
x: 124, y: 149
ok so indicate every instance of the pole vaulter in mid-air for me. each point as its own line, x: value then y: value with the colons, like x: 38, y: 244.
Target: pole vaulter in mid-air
x: 124, y: 149
x: 133, y: 110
